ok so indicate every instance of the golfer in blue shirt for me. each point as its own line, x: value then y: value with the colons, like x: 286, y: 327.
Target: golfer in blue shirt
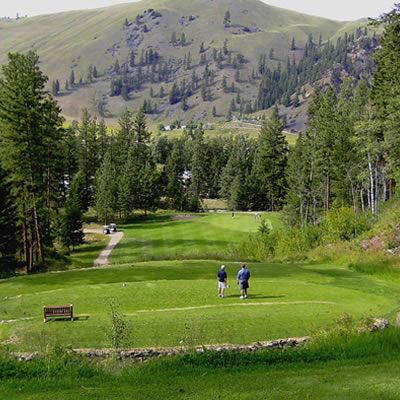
x: 242, y: 280
x: 222, y: 278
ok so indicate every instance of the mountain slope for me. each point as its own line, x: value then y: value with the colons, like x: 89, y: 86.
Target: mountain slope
x: 75, y: 40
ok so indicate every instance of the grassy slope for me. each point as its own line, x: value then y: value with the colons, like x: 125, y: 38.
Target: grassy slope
x: 322, y: 381
x: 78, y: 39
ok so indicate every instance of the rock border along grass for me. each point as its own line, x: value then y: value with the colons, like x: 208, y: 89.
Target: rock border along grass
x: 151, y: 353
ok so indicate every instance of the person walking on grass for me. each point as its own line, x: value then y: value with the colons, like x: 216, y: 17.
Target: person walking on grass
x: 222, y: 278
x: 242, y: 280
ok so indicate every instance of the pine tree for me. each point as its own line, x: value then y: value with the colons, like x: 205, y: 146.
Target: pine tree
x: 88, y: 155
x: 386, y: 88
x: 174, y: 94
x: 228, y: 117
x: 30, y: 137
x: 224, y: 83
x: 132, y: 59
x: 9, y: 234
x: 106, y: 190
x: 72, y: 78
x: 174, y: 186
x: 226, y: 51
x: 237, y: 76
x: 198, y: 164
x: 227, y: 18
x: 233, y: 105
x: 149, y: 180
x: 72, y: 227
x: 270, y: 163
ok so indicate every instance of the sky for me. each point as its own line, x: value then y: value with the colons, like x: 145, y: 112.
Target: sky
x: 342, y: 10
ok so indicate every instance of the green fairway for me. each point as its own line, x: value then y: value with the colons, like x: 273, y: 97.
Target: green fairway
x: 173, y: 302
x: 209, y: 235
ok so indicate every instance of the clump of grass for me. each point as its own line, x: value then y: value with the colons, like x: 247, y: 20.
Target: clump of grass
x: 376, y: 264
x: 55, y: 362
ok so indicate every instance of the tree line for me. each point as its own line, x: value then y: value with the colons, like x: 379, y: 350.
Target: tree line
x: 50, y: 175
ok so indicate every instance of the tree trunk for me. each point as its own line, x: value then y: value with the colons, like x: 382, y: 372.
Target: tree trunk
x: 362, y: 200
x: 26, y: 242
x: 384, y: 183
x: 48, y: 189
x: 372, y: 187
x: 38, y: 234
x: 35, y: 217
x: 327, y: 194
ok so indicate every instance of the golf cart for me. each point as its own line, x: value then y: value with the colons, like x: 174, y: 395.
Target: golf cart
x: 106, y: 229
x: 113, y: 227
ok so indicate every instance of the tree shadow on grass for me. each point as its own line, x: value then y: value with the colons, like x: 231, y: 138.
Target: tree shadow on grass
x: 172, y: 243
x: 88, y: 249
x: 154, y: 224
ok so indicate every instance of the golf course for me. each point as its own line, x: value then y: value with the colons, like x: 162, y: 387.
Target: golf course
x: 160, y: 281
x: 161, y: 298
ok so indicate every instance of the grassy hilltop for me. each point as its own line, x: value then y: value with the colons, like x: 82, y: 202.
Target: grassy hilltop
x: 75, y: 40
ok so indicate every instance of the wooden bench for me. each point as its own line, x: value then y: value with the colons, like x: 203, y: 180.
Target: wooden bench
x: 58, y: 311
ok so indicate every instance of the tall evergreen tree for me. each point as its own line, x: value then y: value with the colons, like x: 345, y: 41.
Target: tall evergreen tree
x: 9, y: 238
x: 269, y: 168
x: 72, y: 226
x: 88, y: 156
x: 175, y: 192
x: 106, y: 189
x: 31, y: 133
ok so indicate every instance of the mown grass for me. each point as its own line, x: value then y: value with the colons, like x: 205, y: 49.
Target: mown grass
x: 208, y: 235
x: 166, y: 303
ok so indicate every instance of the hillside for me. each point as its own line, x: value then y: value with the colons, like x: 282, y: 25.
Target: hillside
x: 165, y: 38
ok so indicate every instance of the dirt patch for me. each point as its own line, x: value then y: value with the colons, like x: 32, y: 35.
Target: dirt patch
x: 178, y: 217
x: 13, y: 339
x: 10, y: 321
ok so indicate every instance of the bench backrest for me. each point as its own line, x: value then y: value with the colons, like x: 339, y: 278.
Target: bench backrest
x: 58, y: 310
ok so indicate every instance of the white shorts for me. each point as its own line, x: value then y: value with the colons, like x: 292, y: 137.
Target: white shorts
x: 221, y: 285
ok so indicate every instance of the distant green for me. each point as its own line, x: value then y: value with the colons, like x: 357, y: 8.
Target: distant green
x: 209, y: 235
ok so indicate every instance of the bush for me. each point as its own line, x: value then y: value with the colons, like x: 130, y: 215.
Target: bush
x: 342, y: 224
